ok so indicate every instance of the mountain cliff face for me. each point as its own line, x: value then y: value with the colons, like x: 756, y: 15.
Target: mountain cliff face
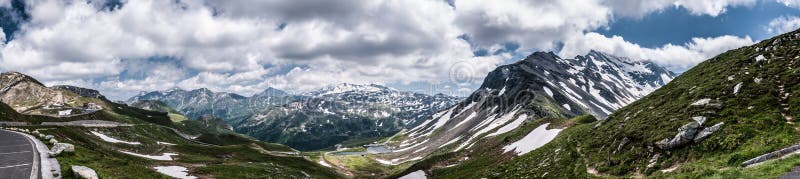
x: 28, y: 96
x: 85, y: 92
x: 542, y: 85
x: 717, y: 119
x: 24, y: 93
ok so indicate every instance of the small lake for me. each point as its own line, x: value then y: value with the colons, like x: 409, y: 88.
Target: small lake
x: 348, y: 153
x: 378, y: 149
x: 371, y: 149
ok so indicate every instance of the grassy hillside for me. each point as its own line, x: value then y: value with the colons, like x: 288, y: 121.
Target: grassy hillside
x: 748, y: 89
x: 233, y: 156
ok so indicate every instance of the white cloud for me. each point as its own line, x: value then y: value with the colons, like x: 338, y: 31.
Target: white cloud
x: 783, y: 24
x: 537, y: 24
x: 236, y: 50
x: 246, y: 46
x: 675, y: 57
x: 711, y: 7
x: 790, y: 3
x: 696, y: 7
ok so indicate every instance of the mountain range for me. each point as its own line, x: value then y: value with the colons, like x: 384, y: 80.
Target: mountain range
x: 119, y: 141
x: 595, y: 115
x: 344, y: 113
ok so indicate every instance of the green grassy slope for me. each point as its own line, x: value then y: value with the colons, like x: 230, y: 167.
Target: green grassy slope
x: 235, y: 157
x: 755, y: 123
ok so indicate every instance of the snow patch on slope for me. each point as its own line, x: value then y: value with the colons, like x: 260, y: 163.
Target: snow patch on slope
x: 174, y: 171
x: 510, y: 126
x: 419, y: 174
x: 113, y: 140
x: 535, y: 139
x: 547, y: 90
x: 162, y: 157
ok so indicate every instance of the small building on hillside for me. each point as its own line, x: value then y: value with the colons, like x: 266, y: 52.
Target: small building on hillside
x: 92, y: 106
x: 65, y: 112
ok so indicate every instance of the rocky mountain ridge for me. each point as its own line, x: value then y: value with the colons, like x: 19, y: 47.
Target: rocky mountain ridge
x: 543, y: 85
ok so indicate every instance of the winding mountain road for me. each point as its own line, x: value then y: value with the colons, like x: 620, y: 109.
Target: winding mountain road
x: 17, y: 156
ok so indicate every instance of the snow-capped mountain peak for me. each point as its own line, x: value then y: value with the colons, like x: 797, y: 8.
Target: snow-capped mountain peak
x: 347, y: 87
x: 542, y: 85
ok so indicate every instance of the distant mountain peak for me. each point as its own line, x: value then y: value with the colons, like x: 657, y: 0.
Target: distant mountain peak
x: 7, y: 78
x: 348, y: 87
x: 174, y: 90
x: 270, y: 91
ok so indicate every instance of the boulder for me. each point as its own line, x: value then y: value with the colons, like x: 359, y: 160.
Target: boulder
x: 699, y: 119
x: 707, y: 102
x: 53, y: 141
x: 48, y: 137
x: 84, y: 172
x: 686, y: 134
x: 58, y: 148
x: 707, y: 132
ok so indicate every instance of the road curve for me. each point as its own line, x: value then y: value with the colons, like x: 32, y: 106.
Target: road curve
x: 17, y: 156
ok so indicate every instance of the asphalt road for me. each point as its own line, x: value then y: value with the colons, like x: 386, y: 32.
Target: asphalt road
x: 17, y: 155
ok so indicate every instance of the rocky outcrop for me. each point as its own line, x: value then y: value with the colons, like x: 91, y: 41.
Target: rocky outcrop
x: 686, y: 134
x: 707, y: 102
x: 689, y: 133
x: 85, y: 92
x: 84, y: 172
x: 23, y: 93
x: 707, y: 132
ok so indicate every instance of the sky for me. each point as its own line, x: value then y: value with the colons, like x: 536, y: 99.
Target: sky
x: 123, y: 47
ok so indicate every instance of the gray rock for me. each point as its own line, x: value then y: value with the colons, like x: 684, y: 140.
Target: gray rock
x: 699, y: 119
x: 53, y: 141
x: 48, y: 137
x: 622, y: 144
x: 652, y: 163
x: 84, y: 172
x: 58, y: 148
x: 686, y: 134
x: 707, y: 132
x: 707, y: 103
